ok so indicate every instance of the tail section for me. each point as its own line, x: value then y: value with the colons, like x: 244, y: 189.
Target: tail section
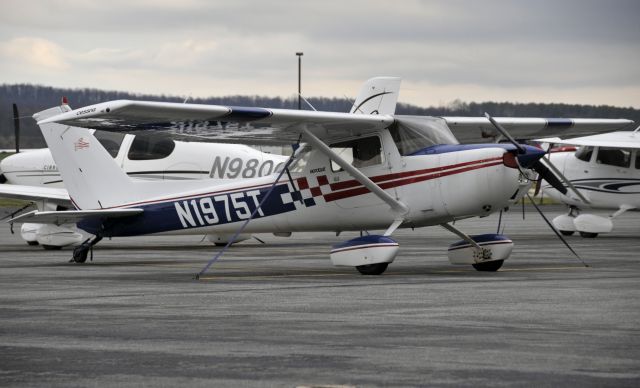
x: 378, y: 95
x: 92, y: 177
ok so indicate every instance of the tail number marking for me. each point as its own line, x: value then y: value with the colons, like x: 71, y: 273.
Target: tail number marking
x: 236, y: 168
x: 219, y: 209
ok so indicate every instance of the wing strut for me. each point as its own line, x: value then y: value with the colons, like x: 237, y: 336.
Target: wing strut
x: 400, y: 209
x: 297, y: 151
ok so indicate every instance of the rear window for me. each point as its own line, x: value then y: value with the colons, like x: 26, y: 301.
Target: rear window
x: 149, y: 147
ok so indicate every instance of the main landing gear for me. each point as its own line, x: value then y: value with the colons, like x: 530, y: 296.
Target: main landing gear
x: 372, y: 269
x: 81, y: 252
x: 488, y: 266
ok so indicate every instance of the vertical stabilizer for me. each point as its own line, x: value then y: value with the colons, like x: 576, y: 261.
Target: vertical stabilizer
x: 92, y: 177
x: 378, y: 95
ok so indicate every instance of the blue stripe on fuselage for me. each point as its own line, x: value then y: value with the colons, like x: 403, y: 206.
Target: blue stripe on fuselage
x: 208, y: 210
x: 446, y: 148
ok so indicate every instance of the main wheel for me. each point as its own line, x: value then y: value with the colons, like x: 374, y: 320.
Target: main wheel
x: 372, y: 269
x: 51, y: 247
x: 588, y: 235
x: 567, y: 232
x: 35, y: 242
x: 80, y: 254
x: 489, y: 266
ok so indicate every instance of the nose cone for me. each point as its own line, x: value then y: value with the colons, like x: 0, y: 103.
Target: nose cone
x: 530, y: 156
x: 26, y: 167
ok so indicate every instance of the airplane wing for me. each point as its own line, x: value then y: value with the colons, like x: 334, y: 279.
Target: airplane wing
x: 73, y: 216
x: 478, y: 129
x: 620, y: 139
x: 59, y: 196
x: 248, y: 125
x: 220, y: 123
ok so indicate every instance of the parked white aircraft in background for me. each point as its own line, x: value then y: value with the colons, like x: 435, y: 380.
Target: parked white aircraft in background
x: 141, y: 157
x: 605, y: 170
x: 366, y: 171
x: 151, y: 157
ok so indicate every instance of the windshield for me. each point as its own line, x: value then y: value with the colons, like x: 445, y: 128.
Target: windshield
x: 414, y: 133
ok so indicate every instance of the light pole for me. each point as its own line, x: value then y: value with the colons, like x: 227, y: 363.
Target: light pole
x: 299, y: 54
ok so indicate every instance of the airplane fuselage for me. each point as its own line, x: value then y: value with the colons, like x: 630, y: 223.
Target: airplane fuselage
x: 435, y: 185
x: 606, y: 185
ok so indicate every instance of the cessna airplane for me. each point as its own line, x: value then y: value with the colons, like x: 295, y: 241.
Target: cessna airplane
x: 604, y: 173
x: 365, y: 170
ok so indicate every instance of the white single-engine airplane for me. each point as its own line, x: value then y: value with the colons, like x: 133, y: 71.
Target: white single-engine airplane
x: 603, y: 173
x: 365, y: 170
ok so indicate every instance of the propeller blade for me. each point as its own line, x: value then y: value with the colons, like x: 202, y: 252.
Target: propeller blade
x: 16, y: 126
x: 548, y: 176
x: 556, y: 231
x: 504, y: 133
x: 566, y: 181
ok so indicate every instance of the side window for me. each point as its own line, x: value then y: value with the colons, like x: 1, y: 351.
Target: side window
x: 584, y: 153
x: 358, y: 152
x: 111, y: 141
x: 618, y: 157
x: 148, y: 147
x: 637, y: 159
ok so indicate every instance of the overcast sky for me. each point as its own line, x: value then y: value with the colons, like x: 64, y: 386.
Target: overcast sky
x: 572, y: 51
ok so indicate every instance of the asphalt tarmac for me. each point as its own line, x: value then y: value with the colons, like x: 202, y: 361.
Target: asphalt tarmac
x: 280, y: 315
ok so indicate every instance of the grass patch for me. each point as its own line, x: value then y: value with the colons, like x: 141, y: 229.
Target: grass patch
x: 5, y: 202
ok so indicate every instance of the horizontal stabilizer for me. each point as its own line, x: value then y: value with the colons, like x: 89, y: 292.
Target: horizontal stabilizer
x: 73, y: 216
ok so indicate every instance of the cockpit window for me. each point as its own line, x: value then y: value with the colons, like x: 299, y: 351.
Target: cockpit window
x: 362, y: 152
x: 149, y: 147
x: 584, y: 153
x: 618, y: 157
x: 111, y: 141
x: 415, y: 133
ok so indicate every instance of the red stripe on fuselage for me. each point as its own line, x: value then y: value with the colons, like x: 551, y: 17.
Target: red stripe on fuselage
x: 402, y: 182
x: 381, y: 178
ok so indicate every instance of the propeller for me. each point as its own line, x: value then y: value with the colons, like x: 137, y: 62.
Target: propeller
x: 551, y: 174
x: 16, y: 126
x: 528, y: 158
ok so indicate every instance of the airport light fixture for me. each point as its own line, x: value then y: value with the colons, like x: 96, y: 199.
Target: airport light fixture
x: 299, y: 54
